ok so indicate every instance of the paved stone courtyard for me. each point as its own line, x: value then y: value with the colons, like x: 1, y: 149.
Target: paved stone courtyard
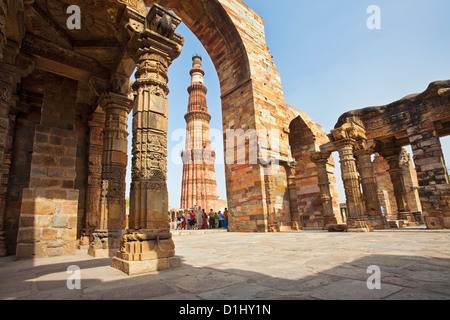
x: 415, y: 264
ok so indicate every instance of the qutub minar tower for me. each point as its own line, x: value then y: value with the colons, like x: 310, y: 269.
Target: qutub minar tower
x: 199, y: 185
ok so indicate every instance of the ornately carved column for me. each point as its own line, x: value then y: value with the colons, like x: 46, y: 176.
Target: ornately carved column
x: 7, y: 83
x: 269, y: 181
x: 292, y: 189
x: 393, y: 157
x: 94, y: 179
x: 321, y: 161
x: 356, y: 220
x: 148, y: 246
x: 3, y: 14
x: 369, y: 187
x: 111, y: 223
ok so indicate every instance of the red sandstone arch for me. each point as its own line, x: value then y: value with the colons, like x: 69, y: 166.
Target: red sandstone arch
x: 213, y: 26
x: 251, y: 93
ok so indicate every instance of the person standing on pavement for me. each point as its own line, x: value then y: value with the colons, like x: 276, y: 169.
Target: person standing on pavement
x: 204, y: 220
x: 198, y: 218
x: 216, y: 220
x: 220, y: 214
x: 211, y: 219
x: 225, y: 218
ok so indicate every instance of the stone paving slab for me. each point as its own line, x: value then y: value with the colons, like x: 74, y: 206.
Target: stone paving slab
x: 414, y: 264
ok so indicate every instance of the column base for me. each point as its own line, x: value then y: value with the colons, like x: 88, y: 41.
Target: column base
x: 378, y: 222
x: 328, y: 221
x: 407, y: 216
x: 2, y: 244
x: 146, y: 266
x: 144, y: 251
x: 273, y: 227
x: 105, y: 243
x: 85, y: 239
x: 296, y: 225
x: 437, y: 223
x: 358, y: 225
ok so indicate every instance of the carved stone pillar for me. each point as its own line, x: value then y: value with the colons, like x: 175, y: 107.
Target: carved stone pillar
x: 393, y: 157
x: 344, y: 138
x: 369, y: 187
x: 321, y: 161
x: 3, y: 14
x: 111, y: 223
x: 292, y: 189
x: 5, y: 177
x: 356, y: 219
x: 94, y: 179
x: 7, y: 83
x: 269, y: 181
x: 148, y: 246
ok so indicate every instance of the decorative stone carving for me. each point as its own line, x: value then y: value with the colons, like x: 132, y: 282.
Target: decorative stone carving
x: 321, y: 161
x: 153, y: 49
x: 363, y: 152
x: 137, y: 5
x: 94, y: 182
x: 114, y: 162
x: 393, y: 157
x: 344, y: 139
x: 269, y: 181
x: 289, y: 166
x: 3, y: 14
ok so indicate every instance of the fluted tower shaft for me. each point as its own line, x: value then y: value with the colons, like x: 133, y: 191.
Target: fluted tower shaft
x: 199, y: 185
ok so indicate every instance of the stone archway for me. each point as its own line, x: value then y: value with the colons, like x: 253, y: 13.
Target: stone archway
x: 233, y: 35
x: 85, y: 73
x: 252, y: 105
x: 315, y: 182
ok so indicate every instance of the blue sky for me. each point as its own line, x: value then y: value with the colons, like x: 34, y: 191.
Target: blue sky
x: 329, y: 62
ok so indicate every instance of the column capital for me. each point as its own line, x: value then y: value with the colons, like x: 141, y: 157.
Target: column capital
x: 365, y: 147
x: 347, y: 133
x: 320, y: 156
x: 114, y: 100
x: 158, y: 36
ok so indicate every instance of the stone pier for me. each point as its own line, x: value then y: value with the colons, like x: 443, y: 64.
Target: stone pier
x: 148, y: 245
x: 111, y: 223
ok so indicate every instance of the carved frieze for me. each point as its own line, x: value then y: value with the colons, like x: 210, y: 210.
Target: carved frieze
x: 395, y: 118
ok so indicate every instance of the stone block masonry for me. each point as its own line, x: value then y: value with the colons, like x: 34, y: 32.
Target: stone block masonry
x: 48, y: 217
x: 49, y: 209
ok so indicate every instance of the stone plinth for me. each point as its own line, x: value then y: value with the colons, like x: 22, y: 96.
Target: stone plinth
x: 359, y: 225
x: 2, y: 244
x: 146, y: 251
x: 105, y: 243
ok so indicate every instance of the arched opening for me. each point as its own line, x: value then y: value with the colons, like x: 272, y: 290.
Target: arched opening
x: 178, y: 107
x: 315, y: 182
x: 251, y: 95
x: 81, y: 191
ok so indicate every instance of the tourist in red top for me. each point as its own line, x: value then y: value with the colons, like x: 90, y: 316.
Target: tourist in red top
x: 192, y: 220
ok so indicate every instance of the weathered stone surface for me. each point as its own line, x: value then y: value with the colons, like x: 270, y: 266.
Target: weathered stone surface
x: 337, y: 228
x: 356, y: 290
x: 420, y: 120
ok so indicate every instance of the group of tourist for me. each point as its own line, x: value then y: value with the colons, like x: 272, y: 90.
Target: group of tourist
x: 197, y: 218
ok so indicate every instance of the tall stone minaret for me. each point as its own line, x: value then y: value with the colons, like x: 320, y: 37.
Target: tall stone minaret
x: 199, y: 185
